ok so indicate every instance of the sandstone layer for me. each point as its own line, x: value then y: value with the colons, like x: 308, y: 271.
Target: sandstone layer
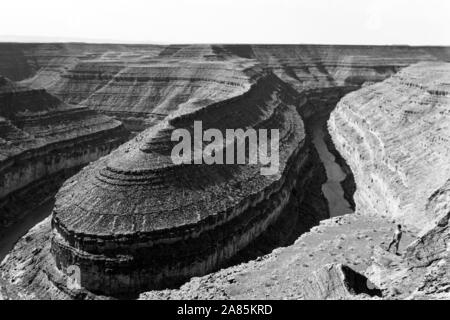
x: 142, y: 93
x: 321, y: 66
x: 394, y: 136
x: 141, y: 88
x: 41, y: 136
x: 140, y: 85
x: 135, y: 220
x: 109, y: 247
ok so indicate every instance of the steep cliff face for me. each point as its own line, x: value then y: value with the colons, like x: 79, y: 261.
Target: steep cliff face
x: 204, y: 215
x: 320, y: 66
x: 140, y: 85
x: 263, y: 203
x: 140, y: 94
x: 395, y: 136
x: 140, y: 89
x: 41, y: 136
x: 340, y: 186
x: 185, y: 83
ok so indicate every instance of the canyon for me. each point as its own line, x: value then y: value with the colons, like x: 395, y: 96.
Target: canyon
x: 43, y: 141
x: 361, y: 130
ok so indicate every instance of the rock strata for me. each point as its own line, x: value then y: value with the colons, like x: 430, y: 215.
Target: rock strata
x: 41, y: 136
x: 140, y: 85
x: 135, y: 220
x: 141, y: 89
x: 322, y: 66
x: 396, y: 131
x: 395, y: 135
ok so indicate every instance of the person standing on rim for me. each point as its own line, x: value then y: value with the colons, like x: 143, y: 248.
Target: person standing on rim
x: 396, y: 238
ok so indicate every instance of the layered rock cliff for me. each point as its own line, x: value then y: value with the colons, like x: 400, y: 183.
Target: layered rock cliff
x: 323, y: 74
x: 140, y: 85
x: 41, y: 136
x: 394, y: 137
x: 140, y: 89
x: 160, y: 222
x: 140, y: 94
x: 321, y: 66
x: 42, y: 63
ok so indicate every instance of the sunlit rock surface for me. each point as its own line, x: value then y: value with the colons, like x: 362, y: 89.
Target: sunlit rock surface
x: 141, y: 88
x: 302, y: 67
x: 414, y: 117
x: 395, y: 136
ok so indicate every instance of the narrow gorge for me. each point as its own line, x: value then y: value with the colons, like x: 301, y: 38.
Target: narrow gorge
x: 135, y: 224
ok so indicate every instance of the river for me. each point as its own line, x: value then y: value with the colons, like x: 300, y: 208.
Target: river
x: 332, y: 188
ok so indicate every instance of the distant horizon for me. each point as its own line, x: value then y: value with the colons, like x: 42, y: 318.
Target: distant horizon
x: 321, y: 22
x: 45, y: 40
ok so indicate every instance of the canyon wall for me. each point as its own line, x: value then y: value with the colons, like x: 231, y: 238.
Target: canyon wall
x: 226, y: 86
x: 321, y: 66
x: 139, y: 88
x: 44, y: 62
x: 41, y: 136
x: 135, y: 220
x: 140, y: 85
x: 395, y: 135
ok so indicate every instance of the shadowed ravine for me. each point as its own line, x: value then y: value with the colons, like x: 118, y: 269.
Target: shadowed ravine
x: 16, y: 231
x: 328, y: 193
x: 332, y: 188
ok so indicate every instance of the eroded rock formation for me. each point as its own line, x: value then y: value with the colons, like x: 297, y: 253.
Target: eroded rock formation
x: 41, y: 136
x: 321, y: 66
x: 395, y: 133
x: 395, y: 136
x: 140, y: 85
x: 115, y: 214
x: 135, y: 220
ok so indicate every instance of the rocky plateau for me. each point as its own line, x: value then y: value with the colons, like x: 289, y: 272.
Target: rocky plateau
x: 364, y: 145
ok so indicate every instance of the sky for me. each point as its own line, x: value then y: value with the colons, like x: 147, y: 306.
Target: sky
x: 411, y: 22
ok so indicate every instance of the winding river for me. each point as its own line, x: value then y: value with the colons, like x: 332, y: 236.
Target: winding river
x: 332, y: 188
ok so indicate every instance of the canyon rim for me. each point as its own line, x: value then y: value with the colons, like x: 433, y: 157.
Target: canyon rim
x: 308, y: 171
